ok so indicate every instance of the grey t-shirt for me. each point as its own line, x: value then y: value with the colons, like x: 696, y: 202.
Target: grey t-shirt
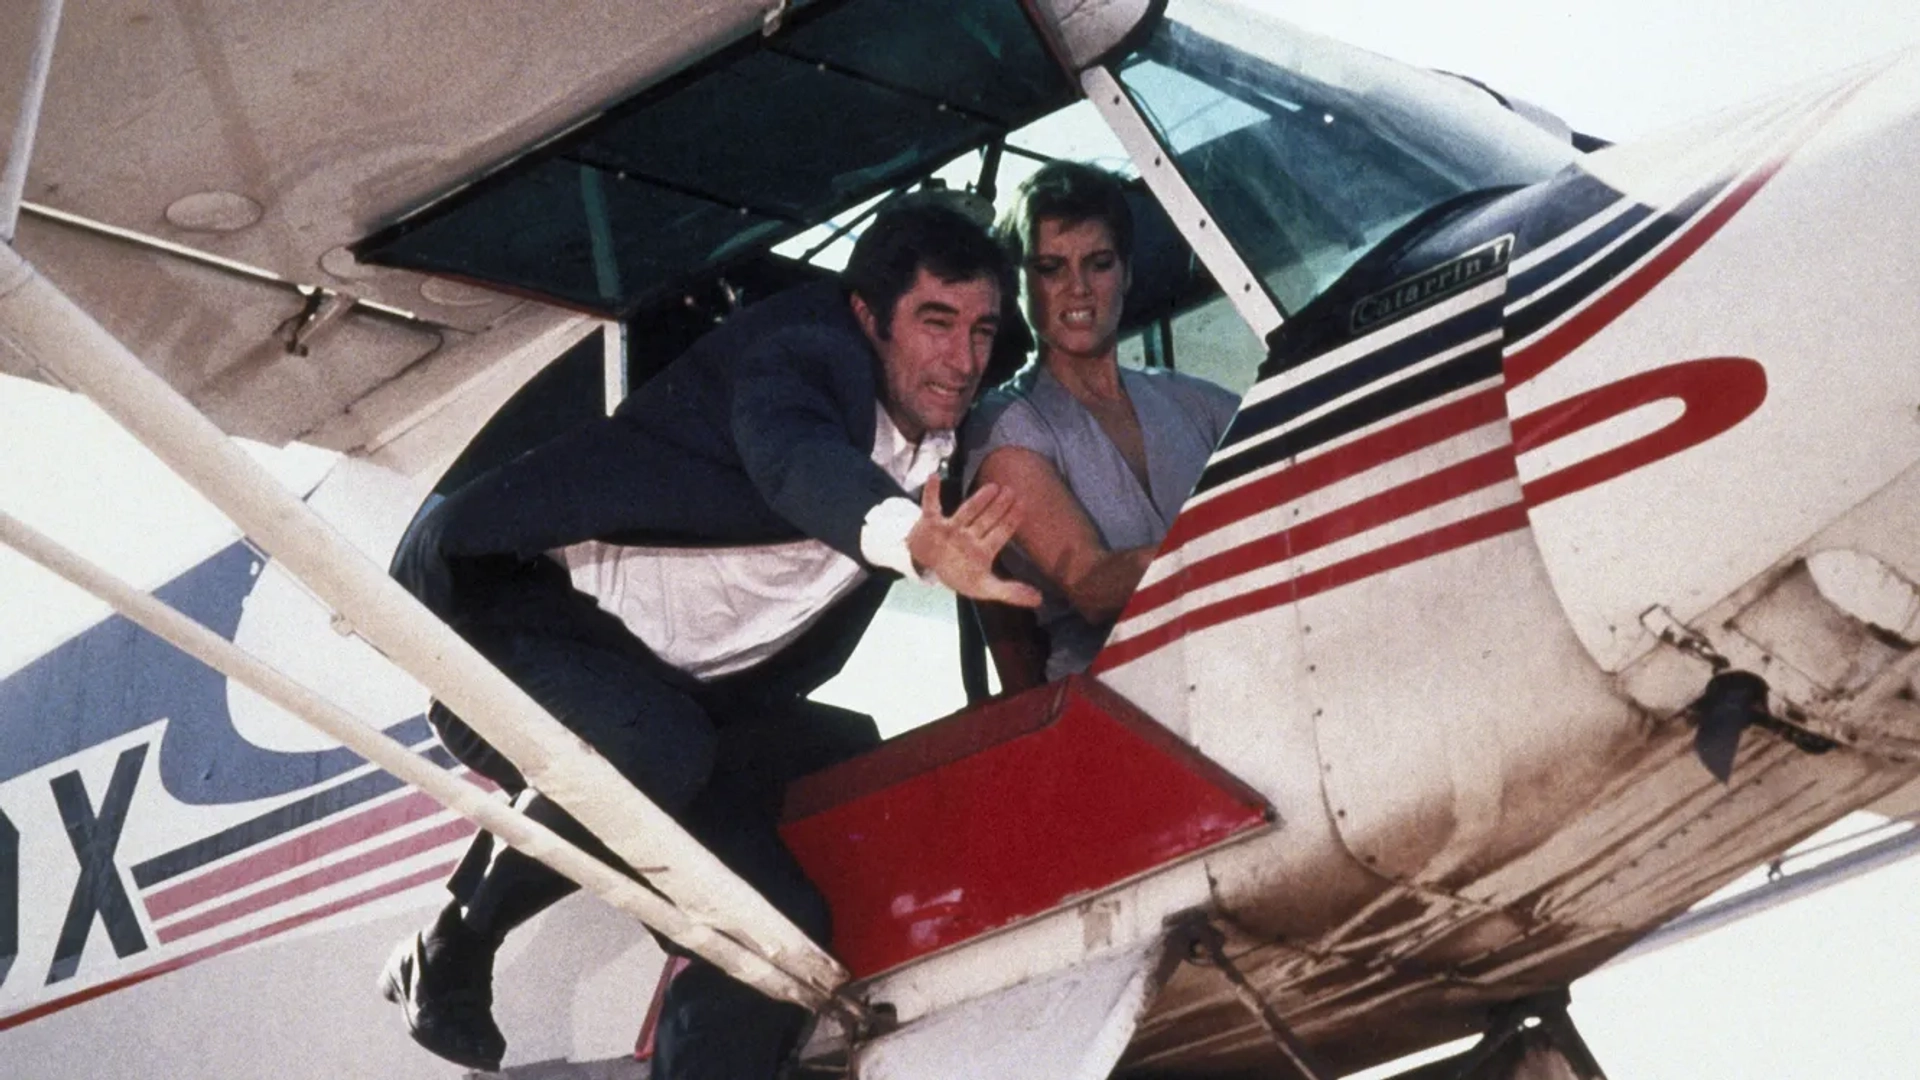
x: 1181, y: 420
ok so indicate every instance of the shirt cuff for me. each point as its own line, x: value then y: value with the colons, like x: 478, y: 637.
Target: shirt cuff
x: 883, y: 538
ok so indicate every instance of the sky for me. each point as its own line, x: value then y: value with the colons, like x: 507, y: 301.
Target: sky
x: 1622, y: 68
x: 1821, y: 988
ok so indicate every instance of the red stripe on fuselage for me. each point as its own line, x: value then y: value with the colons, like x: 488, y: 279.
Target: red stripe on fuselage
x: 1305, y: 477
x: 301, y: 849
x: 1420, y: 493
x: 291, y: 922
x: 1484, y: 526
x: 365, y: 862
x: 1714, y: 395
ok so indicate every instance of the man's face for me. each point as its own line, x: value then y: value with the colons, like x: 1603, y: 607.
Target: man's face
x: 935, y: 351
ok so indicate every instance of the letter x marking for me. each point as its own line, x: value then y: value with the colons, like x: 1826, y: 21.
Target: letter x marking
x: 9, y: 895
x: 99, y: 889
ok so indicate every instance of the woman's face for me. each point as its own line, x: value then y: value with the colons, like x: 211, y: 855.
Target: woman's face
x: 1076, y: 281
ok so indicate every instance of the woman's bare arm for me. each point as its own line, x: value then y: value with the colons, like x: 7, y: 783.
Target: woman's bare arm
x: 1059, y: 538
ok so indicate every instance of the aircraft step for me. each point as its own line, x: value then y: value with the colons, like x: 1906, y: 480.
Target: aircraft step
x: 1000, y: 813
x: 1071, y: 1025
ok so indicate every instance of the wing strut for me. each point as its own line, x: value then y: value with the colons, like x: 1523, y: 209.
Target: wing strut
x: 54, y: 332
x: 13, y: 182
x: 1205, y: 940
x: 463, y: 798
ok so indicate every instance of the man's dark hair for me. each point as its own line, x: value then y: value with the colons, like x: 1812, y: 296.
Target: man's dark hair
x: 923, y: 230
x: 1069, y: 192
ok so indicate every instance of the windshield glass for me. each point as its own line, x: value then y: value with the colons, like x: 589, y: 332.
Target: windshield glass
x: 1308, y: 152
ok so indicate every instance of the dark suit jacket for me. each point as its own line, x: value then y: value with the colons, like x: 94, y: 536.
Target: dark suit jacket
x: 761, y: 433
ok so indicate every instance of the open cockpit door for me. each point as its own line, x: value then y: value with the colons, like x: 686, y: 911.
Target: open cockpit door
x: 995, y: 819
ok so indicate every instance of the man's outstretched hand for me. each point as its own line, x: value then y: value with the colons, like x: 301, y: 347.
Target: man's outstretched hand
x: 960, y: 550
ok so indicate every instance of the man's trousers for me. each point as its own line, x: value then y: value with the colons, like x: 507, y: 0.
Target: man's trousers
x: 717, y: 756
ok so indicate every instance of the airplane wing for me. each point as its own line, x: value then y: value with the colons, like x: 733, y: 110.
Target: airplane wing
x: 327, y: 223
x: 201, y: 171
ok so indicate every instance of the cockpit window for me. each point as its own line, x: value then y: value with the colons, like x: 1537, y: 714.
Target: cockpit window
x: 704, y: 171
x: 1308, y: 152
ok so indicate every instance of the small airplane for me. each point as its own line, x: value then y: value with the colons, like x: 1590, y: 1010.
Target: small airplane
x: 1556, y: 571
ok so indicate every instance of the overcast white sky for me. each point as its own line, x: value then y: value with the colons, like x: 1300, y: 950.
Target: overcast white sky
x: 1823, y: 988
x: 1620, y: 68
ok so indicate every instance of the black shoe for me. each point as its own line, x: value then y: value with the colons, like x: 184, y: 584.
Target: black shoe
x: 448, y: 1000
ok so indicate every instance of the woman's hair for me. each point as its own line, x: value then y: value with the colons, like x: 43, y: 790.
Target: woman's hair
x: 1069, y: 192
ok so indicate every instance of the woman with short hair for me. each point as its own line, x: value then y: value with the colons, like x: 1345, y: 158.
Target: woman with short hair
x: 1101, y: 457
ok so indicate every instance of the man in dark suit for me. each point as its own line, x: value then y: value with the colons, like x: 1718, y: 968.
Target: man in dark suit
x: 672, y: 582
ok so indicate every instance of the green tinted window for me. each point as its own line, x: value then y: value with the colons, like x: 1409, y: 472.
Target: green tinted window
x: 751, y: 147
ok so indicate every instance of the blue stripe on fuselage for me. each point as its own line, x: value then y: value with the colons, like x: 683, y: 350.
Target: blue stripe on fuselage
x: 115, y: 677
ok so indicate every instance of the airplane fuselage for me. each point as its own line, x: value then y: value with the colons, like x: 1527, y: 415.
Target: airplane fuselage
x: 1518, y: 491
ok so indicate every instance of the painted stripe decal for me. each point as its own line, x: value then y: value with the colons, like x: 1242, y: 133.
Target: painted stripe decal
x: 308, y: 847
x: 1314, y: 473
x: 1421, y: 493
x: 284, y: 819
x: 1715, y: 395
x: 1349, y: 377
x: 1584, y: 285
x: 1541, y: 276
x: 1483, y: 526
x: 1456, y: 374
x: 291, y: 922
x: 332, y: 874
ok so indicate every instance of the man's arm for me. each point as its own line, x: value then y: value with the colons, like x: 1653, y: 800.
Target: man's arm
x: 792, y: 402
x: 796, y: 396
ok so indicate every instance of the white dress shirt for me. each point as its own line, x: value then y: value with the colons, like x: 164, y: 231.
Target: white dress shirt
x: 715, y: 611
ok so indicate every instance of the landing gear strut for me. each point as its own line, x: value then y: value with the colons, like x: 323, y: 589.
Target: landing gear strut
x: 1529, y: 1039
